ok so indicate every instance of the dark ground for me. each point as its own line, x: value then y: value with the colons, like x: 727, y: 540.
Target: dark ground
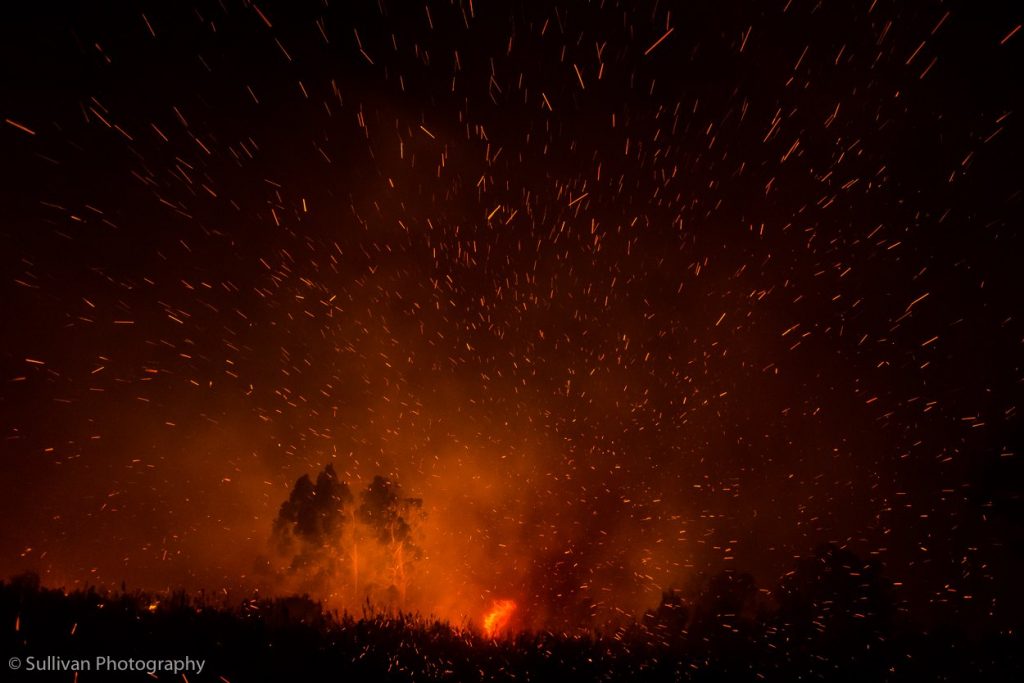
x: 830, y: 619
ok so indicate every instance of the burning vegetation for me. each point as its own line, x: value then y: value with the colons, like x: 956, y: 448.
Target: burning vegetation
x: 498, y: 619
x: 832, y: 617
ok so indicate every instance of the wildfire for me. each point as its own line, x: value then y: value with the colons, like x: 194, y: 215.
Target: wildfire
x: 497, y: 619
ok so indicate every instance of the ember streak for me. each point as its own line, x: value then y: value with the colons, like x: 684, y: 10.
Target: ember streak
x: 525, y: 315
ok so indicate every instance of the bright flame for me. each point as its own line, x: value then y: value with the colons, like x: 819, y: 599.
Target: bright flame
x: 497, y: 619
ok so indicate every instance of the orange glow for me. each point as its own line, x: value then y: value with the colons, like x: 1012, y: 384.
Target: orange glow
x: 498, y: 618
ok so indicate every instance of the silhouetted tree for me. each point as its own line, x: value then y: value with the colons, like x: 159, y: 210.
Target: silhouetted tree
x: 386, y: 512
x: 669, y: 620
x: 835, y: 594
x: 310, y: 526
x: 334, y: 547
x: 728, y: 598
x: 383, y: 509
x: 835, y: 615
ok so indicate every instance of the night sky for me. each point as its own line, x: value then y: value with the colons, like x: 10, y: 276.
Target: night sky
x: 626, y: 293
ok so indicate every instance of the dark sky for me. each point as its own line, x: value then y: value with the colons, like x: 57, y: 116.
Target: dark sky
x: 627, y: 292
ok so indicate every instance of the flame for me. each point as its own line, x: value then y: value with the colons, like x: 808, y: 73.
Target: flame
x: 498, y: 618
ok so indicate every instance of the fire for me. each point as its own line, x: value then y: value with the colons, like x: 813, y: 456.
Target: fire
x: 497, y: 619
